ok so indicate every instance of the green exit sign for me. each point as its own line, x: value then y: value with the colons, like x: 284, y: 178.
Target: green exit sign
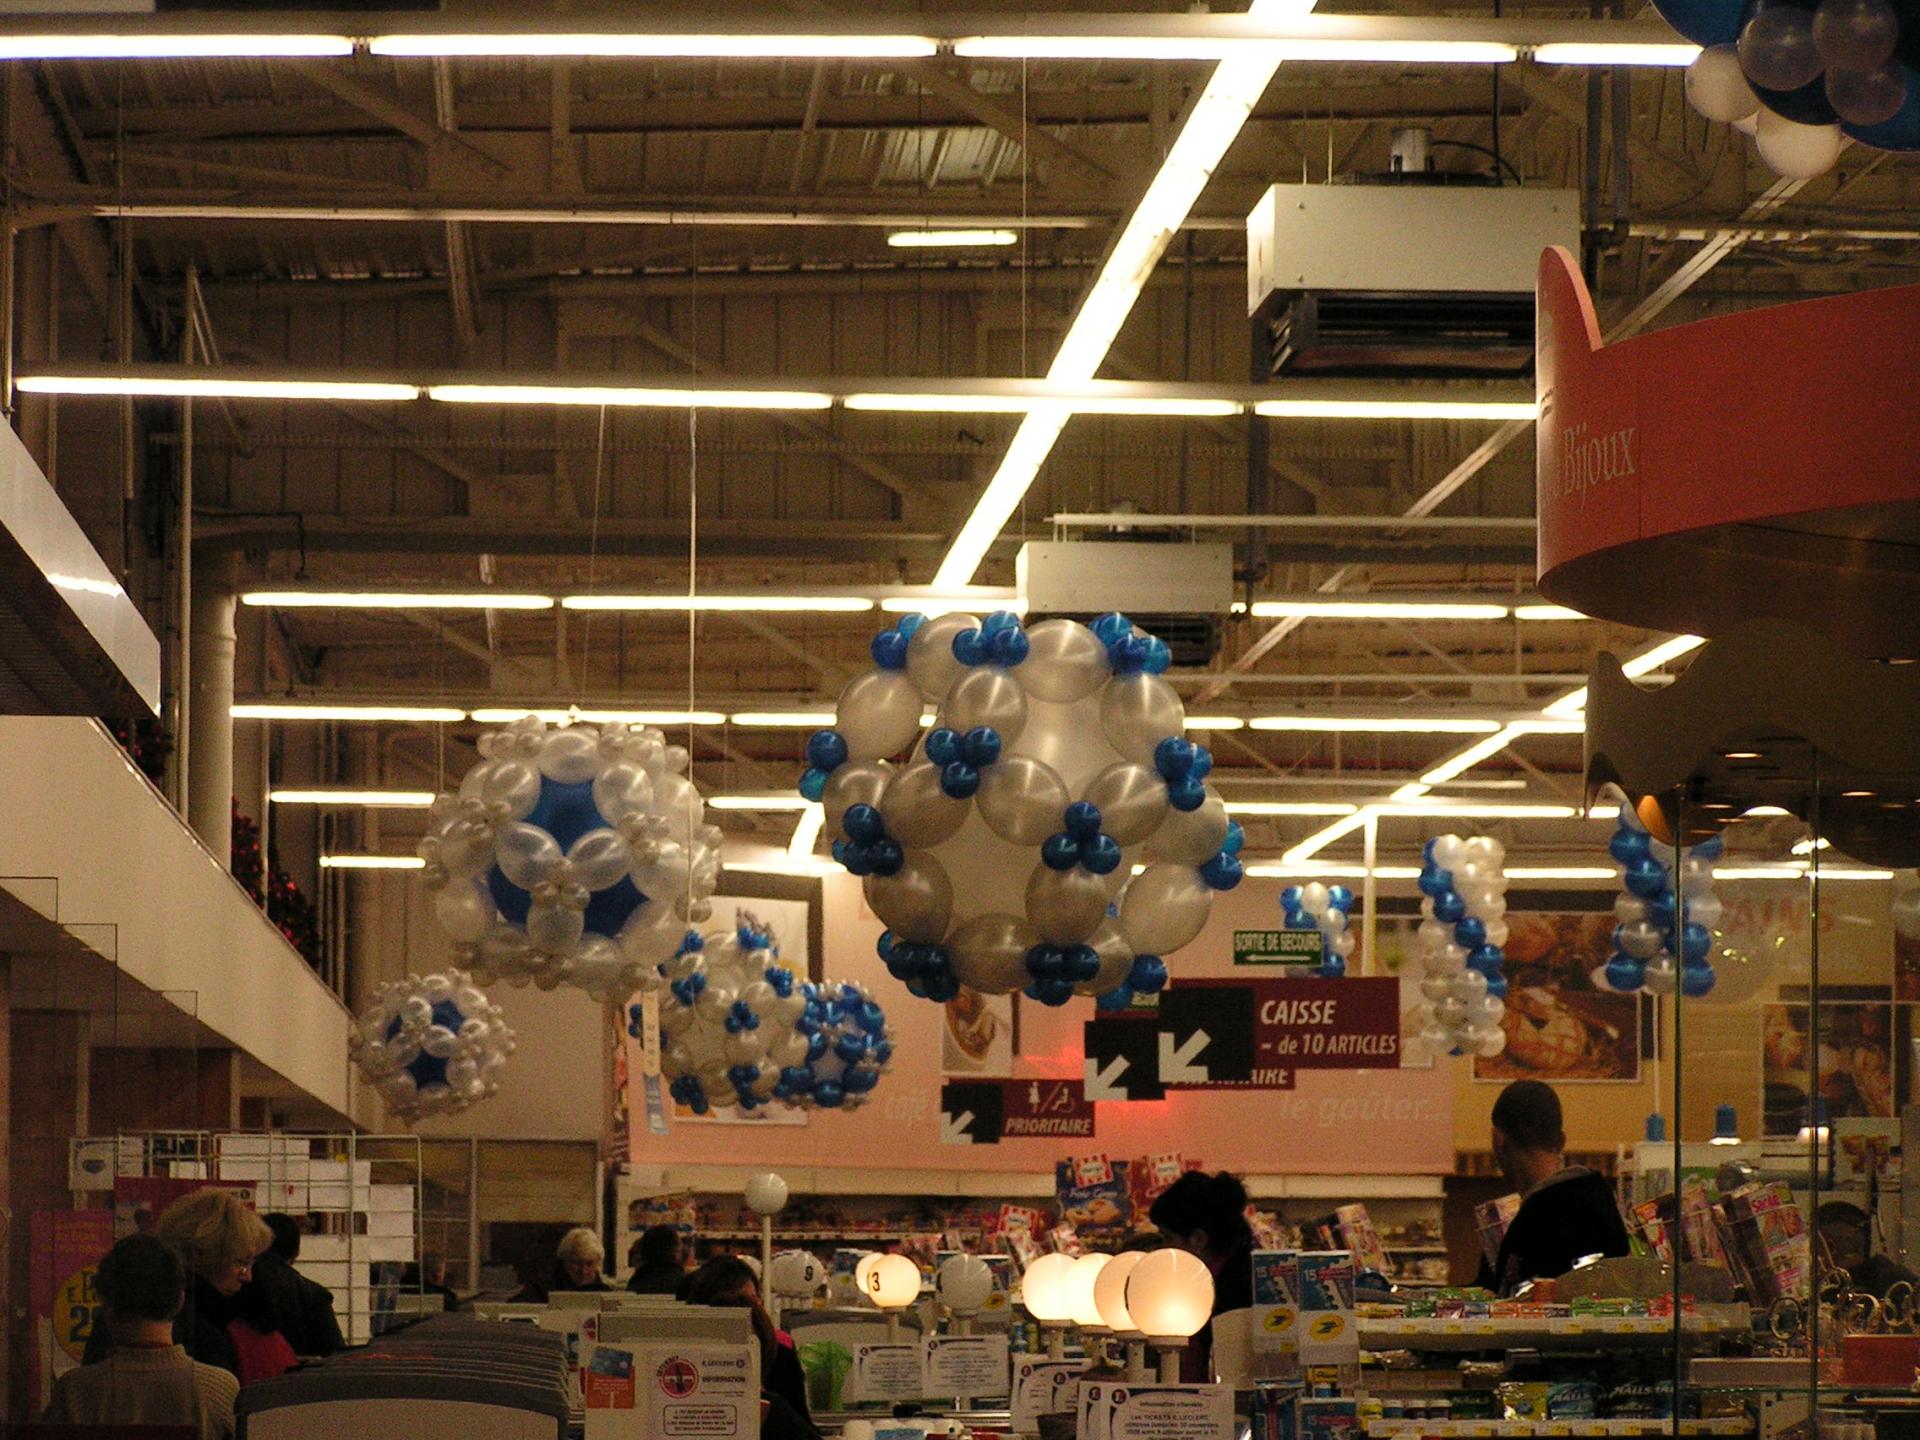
x: 1278, y: 947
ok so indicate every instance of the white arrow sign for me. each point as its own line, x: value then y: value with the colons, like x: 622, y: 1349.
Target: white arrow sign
x: 954, y: 1129
x: 1105, y: 1084
x: 1176, y: 1066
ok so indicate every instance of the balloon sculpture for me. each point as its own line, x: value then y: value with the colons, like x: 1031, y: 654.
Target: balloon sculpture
x: 1655, y: 925
x: 738, y: 1028
x: 1000, y: 852
x: 1325, y: 908
x: 432, y: 1045
x: 575, y: 853
x: 1805, y: 76
x: 1458, y: 943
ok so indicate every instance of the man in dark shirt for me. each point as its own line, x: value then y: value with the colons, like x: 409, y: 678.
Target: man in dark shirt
x: 659, y: 1261
x: 1848, y: 1236
x: 301, y: 1309
x: 1567, y: 1212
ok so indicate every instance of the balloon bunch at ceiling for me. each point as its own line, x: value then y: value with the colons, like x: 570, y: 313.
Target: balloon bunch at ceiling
x: 575, y: 854
x: 431, y: 1045
x: 1462, y: 928
x: 999, y: 852
x: 1325, y: 908
x: 739, y: 1028
x: 1805, y: 76
x: 1664, y: 939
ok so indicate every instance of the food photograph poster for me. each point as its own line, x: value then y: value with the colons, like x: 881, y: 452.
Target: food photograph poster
x: 1561, y: 1025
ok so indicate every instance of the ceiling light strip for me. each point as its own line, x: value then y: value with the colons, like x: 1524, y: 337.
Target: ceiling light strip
x: 372, y: 862
x: 613, y: 44
x: 370, y: 799
x: 394, y: 600
x: 949, y: 239
x: 1374, y: 724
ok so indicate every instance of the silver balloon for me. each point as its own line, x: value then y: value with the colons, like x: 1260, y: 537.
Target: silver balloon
x: 1116, y: 959
x: 1641, y: 939
x: 986, y: 695
x: 1661, y: 975
x: 1191, y: 837
x: 879, y: 714
x: 1065, y: 906
x: 570, y: 756
x: 989, y: 952
x: 915, y: 903
x: 1131, y: 799
x: 1021, y: 799
x: 930, y: 654
x: 917, y: 812
x: 526, y: 854
x: 1137, y: 712
x: 1777, y: 49
x: 1868, y: 97
x: 1065, y: 662
x: 622, y: 790
x: 858, y: 782
x: 600, y: 858
x: 1855, y: 34
x: 1164, y: 908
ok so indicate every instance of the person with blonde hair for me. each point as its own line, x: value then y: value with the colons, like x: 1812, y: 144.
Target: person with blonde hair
x: 576, y: 1266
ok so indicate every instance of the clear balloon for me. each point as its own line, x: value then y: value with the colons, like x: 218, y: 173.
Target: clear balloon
x: 570, y: 756
x: 1191, y: 837
x: 989, y: 952
x: 526, y: 854
x: 917, y: 811
x: 859, y: 782
x: 1777, y: 49
x: 1855, y: 35
x: 1132, y: 801
x: 600, y: 858
x: 1868, y: 97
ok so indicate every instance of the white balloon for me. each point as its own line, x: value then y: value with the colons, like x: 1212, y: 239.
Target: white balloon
x: 1435, y: 986
x: 1794, y: 151
x: 879, y: 714
x: 1313, y: 897
x: 1342, y: 944
x: 600, y: 858
x: 1020, y: 798
x: 1065, y: 906
x: 1628, y: 907
x: 917, y: 903
x: 917, y: 812
x: 1906, y: 914
x: 464, y: 912
x: 526, y: 854
x: 1065, y: 662
x: 930, y: 653
x: 1489, y: 852
x: 513, y: 786
x: 1662, y: 975
x: 1488, y: 1043
x: 660, y: 868
x: 1468, y: 986
x: 1164, y: 907
x: 1717, y: 87
x: 570, y: 756
x: 555, y: 929
x: 1449, y: 851
x: 622, y: 790
x: 1137, y: 712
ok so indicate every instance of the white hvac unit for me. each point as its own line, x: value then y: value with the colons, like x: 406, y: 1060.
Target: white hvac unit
x: 1091, y: 577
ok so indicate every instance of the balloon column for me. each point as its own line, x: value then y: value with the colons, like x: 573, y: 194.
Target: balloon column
x: 999, y: 853
x: 738, y: 1028
x: 575, y: 853
x: 432, y: 1045
x: 1805, y: 76
x: 1325, y: 908
x: 1656, y: 925
x: 1462, y: 928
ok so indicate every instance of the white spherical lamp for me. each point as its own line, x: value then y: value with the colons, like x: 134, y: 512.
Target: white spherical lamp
x: 1110, y: 1292
x: 794, y: 1273
x: 1082, y: 1308
x: 963, y: 1283
x: 1170, y: 1294
x: 766, y: 1194
x: 862, y: 1268
x: 1043, y: 1291
x: 892, y: 1282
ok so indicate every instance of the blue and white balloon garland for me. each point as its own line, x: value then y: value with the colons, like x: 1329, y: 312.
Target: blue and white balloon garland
x: 1663, y: 941
x: 431, y: 1045
x: 999, y: 853
x: 1326, y: 908
x: 1463, y: 925
x: 575, y: 853
x: 739, y: 1028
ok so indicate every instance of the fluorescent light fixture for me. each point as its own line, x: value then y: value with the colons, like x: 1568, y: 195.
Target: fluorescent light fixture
x: 1215, y: 722
x: 372, y: 799
x: 1459, y: 764
x: 739, y: 604
x: 1329, y: 870
x: 1479, y: 810
x: 942, y: 239
x: 966, y: 404
x: 1397, y: 409
x: 810, y: 865
x: 1217, y: 117
x: 1377, y: 610
x: 506, y: 715
x: 296, y: 710
x: 372, y: 862
x: 1765, y: 812
x: 592, y: 45
x: 1574, y: 701
x: 187, y: 386
x: 1808, y: 846
x: 806, y: 833
x: 1561, y: 872
x: 1376, y: 724
x: 1290, y: 807
x: 84, y: 585
x: 1148, y: 47
x: 395, y: 600
x: 933, y: 606
x: 1548, y: 612
x: 1796, y: 870
x: 1323, y: 837
x: 785, y: 719
x: 170, y: 47
x: 1617, y: 52
x: 790, y: 801
x: 643, y: 396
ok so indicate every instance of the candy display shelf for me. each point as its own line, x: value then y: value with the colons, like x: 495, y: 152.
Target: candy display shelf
x: 1584, y: 1330
x: 1652, y: 1425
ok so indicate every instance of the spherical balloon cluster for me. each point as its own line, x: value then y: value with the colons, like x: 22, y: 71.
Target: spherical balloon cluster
x: 739, y: 1028
x: 576, y: 853
x: 1462, y: 928
x: 1804, y: 76
x: 1000, y: 852
x: 432, y: 1045
x: 1325, y: 908
x: 1660, y: 921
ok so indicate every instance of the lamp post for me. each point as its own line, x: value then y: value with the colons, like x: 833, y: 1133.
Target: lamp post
x: 766, y: 1196
x: 1170, y: 1296
x: 1043, y: 1291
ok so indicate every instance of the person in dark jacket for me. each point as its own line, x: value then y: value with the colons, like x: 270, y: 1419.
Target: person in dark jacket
x: 659, y: 1261
x: 1567, y: 1212
x: 1206, y: 1215
x: 728, y: 1280
x: 299, y: 1308
x: 576, y: 1266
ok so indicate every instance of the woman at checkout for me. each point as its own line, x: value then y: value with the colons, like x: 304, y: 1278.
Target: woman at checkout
x: 1206, y: 1215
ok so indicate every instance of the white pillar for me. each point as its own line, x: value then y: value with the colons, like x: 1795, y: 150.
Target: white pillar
x: 210, y: 742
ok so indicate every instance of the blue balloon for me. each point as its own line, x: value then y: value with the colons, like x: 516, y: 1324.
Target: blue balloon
x: 1449, y: 907
x: 1222, y: 872
x: 1053, y: 992
x: 1660, y: 910
x: 1300, y: 920
x: 1111, y: 627
x: 1083, y: 963
x: 1696, y: 943
x: 1290, y: 898
x: 830, y: 1094
x: 1628, y: 845
x: 1100, y: 854
x: 859, y: 1082
x: 1711, y: 848
x: 826, y: 750
x: 943, y: 746
x: 1186, y: 795
x: 999, y: 622
x: 1114, y: 1001
x: 1046, y: 962
x: 1332, y: 968
x: 1696, y: 980
x: 980, y: 746
x: 1060, y: 852
x: 1081, y: 820
x: 1340, y: 898
x: 1202, y: 763
x: 1806, y: 106
x: 1173, y: 757
x: 858, y: 859
x: 889, y: 650
x: 959, y: 780
x: 862, y: 824
x: 813, y: 784
x: 888, y: 857
x: 1148, y: 975
x: 1159, y: 656
x: 851, y: 1048
x: 1470, y: 932
x: 1486, y: 959
x: 1705, y: 22
x: 1497, y: 986
x: 942, y: 986
x: 970, y: 648
x: 1128, y: 655
x: 1435, y: 882
x: 1646, y: 877
x: 1236, y: 841
x: 907, y: 624
x: 1426, y: 854
x: 1008, y: 647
